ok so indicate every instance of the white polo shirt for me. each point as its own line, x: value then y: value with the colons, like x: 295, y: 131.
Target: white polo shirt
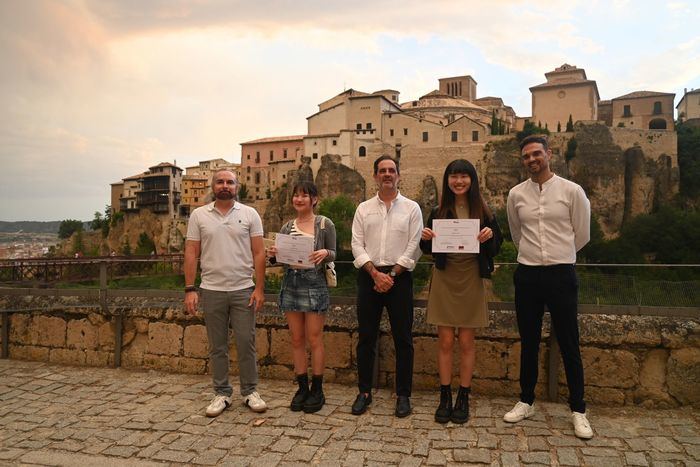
x: 226, y: 259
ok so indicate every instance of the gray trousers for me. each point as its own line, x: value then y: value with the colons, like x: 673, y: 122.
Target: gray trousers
x: 221, y: 311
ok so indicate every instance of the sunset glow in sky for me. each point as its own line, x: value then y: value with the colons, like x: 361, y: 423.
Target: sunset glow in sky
x: 95, y: 91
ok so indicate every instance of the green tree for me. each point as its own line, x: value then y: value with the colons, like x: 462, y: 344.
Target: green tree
x: 243, y: 192
x: 126, y: 248
x: 570, y: 124
x: 495, y: 124
x: 571, y: 149
x: 558, y: 127
x: 78, y: 246
x: 530, y: 129
x: 341, y: 211
x: 689, y: 160
x: 67, y: 227
x: 145, y: 246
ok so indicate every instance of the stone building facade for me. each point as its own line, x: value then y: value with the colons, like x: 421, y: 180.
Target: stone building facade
x: 689, y: 106
x: 567, y: 92
x: 647, y: 110
x: 266, y: 161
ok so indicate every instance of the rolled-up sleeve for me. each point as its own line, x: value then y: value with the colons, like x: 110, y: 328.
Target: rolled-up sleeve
x: 412, y: 251
x: 358, y: 239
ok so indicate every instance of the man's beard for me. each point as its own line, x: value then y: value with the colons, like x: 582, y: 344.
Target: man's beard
x: 224, y: 195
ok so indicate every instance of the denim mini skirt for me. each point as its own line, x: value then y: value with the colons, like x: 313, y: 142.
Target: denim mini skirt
x: 304, y: 290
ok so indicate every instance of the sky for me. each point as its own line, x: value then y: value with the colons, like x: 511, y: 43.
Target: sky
x: 95, y: 91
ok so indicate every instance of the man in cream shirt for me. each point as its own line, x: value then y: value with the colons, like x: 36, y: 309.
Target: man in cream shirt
x: 385, y: 243
x: 549, y: 219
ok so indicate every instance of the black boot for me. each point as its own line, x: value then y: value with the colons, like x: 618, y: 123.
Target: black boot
x: 316, y: 399
x: 460, y: 413
x: 444, y: 410
x: 302, y: 393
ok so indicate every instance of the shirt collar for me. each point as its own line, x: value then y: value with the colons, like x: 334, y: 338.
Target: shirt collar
x: 545, y: 184
x: 211, y: 206
x: 398, y: 196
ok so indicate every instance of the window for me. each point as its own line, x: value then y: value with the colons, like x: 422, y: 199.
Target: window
x: 248, y: 156
x: 475, y: 135
x: 284, y: 176
x: 362, y: 152
x: 248, y: 178
x: 359, y: 126
x: 257, y: 178
x: 626, y: 111
x: 247, y: 169
x: 196, y: 199
x: 425, y: 136
x: 315, y: 155
x: 284, y: 153
x: 185, y: 190
x: 454, y: 136
x: 657, y: 108
x: 272, y: 155
x: 335, y: 142
x: 391, y: 132
x: 369, y: 126
x: 405, y: 131
x: 257, y: 156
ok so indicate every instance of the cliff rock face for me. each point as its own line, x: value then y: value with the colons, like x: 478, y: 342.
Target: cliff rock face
x: 332, y: 179
x: 428, y: 196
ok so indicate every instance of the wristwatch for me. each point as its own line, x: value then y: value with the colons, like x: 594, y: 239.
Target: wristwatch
x: 190, y: 288
x: 392, y: 273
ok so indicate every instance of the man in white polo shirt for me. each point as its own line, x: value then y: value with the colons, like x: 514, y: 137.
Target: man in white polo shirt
x: 229, y: 236
x: 549, y: 219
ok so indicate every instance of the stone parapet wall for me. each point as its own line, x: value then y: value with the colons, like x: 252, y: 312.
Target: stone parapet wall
x: 642, y: 360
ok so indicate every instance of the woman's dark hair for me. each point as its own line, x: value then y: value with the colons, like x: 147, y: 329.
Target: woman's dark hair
x: 306, y: 187
x: 477, y: 207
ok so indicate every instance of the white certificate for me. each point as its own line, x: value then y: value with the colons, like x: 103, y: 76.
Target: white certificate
x: 294, y: 250
x: 455, y: 235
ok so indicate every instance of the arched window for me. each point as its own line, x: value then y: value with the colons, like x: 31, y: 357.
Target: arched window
x: 362, y: 152
x: 657, y: 124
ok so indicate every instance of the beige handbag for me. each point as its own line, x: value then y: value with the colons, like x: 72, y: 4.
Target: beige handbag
x: 329, y: 268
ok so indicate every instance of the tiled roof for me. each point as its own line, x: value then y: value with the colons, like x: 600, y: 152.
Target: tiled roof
x: 637, y: 94
x: 275, y: 139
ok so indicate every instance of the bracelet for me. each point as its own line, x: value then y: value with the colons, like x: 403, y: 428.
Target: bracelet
x: 190, y: 288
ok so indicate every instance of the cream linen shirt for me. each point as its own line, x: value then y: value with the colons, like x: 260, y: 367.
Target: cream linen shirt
x: 387, y: 237
x: 550, y: 225
x: 226, y: 258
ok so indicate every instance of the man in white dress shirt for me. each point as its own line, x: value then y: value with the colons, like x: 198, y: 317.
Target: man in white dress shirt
x: 549, y: 219
x: 385, y: 243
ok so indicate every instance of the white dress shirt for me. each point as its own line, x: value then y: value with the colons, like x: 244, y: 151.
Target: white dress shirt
x: 387, y: 237
x: 550, y: 225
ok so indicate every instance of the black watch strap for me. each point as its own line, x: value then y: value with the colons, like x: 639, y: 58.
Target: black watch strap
x: 191, y: 288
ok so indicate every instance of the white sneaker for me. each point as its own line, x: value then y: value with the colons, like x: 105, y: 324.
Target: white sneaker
x: 582, y: 428
x: 218, y: 404
x: 255, y: 402
x: 519, y: 412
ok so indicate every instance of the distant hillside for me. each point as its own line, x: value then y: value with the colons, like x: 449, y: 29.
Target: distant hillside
x: 32, y: 226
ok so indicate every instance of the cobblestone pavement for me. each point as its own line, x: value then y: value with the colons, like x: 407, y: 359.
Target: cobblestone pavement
x: 59, y: 415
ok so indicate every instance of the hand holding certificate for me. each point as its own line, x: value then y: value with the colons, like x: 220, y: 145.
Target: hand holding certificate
x: 456, y: 235
x: 294, y: 250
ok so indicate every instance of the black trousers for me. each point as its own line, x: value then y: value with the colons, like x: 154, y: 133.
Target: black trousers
x: 399, y: 304
x: 557, y: 288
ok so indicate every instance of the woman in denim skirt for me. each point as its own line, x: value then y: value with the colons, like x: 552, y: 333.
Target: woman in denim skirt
x: 304, y: 296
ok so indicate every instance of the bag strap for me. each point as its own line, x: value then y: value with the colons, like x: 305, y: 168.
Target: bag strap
x: 323, y: 222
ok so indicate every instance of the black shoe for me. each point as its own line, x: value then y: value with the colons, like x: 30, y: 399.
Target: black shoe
x: 316, y: 399
x: 403, y: 406
x: 444, y: 410
x: 361, y: 403
x: 301, y: 395
x: 460, y: 412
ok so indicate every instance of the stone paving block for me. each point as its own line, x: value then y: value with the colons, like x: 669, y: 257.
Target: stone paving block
x: 410, y: 461
x: 537, y: 443
x: 487, y: 440
x: 636, y: 459
x: 121, y: 451
x: 9, y: 454
x: 662, y: 444
x: 209, y: 457
x: 173, y: 456
x: 301, y: 453
x: 567, y: 456
x: 482, y: 456
x: 319, y: 437
x: 693, y: 451
x: 509, y: 458
x: 602, y: 461
x: 436, y: 457
x: 541, y: 458
x: 283, y: 445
